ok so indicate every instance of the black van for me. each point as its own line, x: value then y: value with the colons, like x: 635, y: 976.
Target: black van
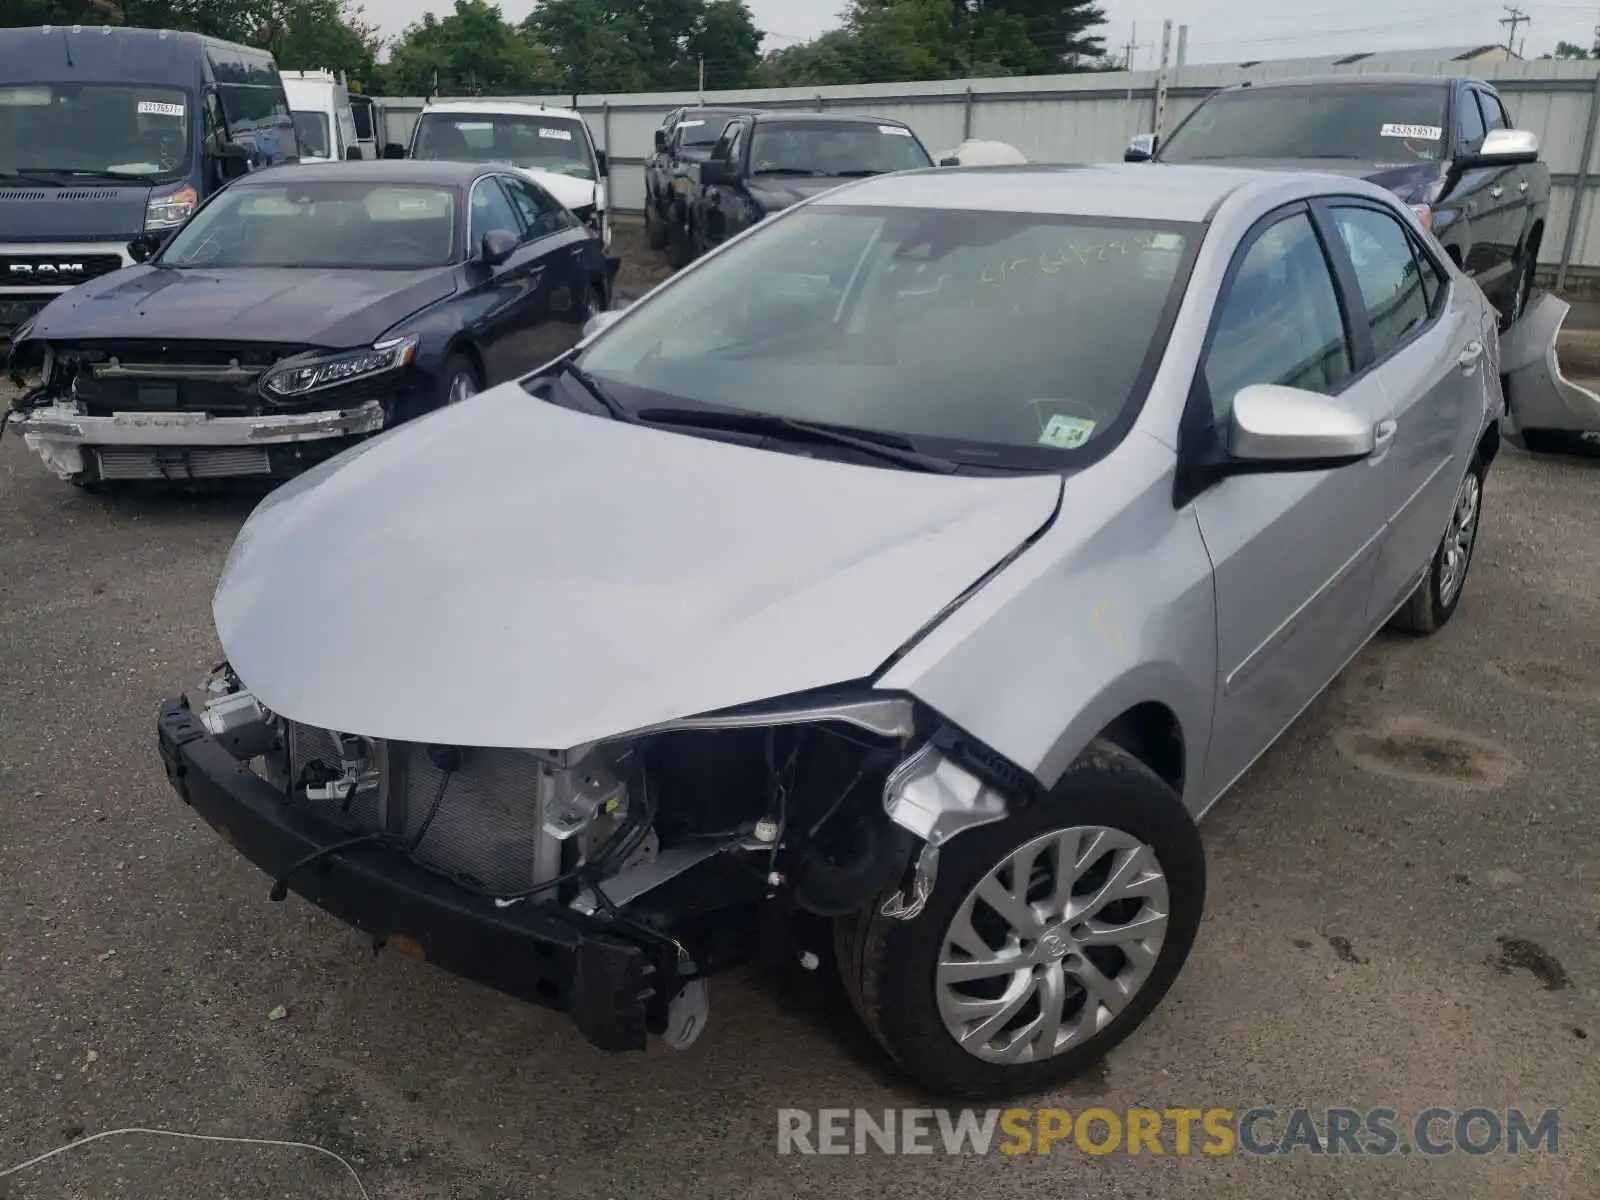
x: 107, y: 133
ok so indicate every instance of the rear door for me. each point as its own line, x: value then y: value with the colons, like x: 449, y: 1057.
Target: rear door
x: 1501, y: 205
x: 1294, y: 554
x: 1428, y: 354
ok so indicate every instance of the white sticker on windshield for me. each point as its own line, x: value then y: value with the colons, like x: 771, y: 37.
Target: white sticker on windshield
x: 1066, y: 433
x: 690, y: 124
x: 1426, y: 133
x: 895, y: 130
x: 560, y: 135
x: 156, y: 108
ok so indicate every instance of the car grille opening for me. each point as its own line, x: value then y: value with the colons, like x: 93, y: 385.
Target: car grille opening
x: 185, y: 463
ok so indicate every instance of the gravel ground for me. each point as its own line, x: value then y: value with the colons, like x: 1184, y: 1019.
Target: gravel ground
x: 1403, y: 912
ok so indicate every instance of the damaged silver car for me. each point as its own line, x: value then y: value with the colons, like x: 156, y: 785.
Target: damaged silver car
x: 898, y: 585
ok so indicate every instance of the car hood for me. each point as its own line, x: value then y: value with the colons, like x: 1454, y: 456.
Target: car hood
x: 95, y: 212
x: 774, y: 193
x: 575, y: 193
x: 308, y: 307
x: 505, y: 572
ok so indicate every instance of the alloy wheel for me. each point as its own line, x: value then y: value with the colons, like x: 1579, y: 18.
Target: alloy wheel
x: 1052, y: 944
x: 1459, y: 539
x: 462, y: 386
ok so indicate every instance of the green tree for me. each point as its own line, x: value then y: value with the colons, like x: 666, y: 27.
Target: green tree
x: 472, y: 51
x: 1569, y: 50
x: 595, y: 45
x: 316, y: 34
x: 726, y: 39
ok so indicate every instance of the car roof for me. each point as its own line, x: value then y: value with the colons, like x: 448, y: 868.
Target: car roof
x: 1147, y: 191
x: 1374, y: 79
x: 437, y: 172
x: 500, y: 108
x: 774, y: 118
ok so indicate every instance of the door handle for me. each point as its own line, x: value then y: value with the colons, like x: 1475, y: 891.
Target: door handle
x: 1497, y: 191
x: 1383, y: 433
x: 1522, y: 186
x: 1467, y: 360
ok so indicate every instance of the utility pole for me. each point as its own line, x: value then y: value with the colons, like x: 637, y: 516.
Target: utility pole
x: 1132, y: 45
x: 702, y: 79
x: 1514, y: 17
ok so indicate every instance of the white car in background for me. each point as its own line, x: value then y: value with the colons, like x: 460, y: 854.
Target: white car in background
x: 552, y: 146
x: 324, y: 126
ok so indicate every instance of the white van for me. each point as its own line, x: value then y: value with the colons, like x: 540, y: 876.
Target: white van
x: 323, y: 123
x: 550, y: 145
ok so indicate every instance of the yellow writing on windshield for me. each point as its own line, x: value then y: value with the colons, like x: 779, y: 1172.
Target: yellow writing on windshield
x: 1053, y: 261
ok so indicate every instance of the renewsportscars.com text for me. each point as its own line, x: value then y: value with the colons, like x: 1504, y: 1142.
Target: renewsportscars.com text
x: 1258, y: 1131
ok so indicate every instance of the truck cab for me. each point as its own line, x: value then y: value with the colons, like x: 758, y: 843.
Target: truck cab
x: 109, y: 133
x: 324, y: 123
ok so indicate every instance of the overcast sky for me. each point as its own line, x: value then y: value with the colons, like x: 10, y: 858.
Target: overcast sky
x: 1218, y: 31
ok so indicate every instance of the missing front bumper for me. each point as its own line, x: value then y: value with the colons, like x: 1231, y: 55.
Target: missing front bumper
x: 1544, y: 409
x: 609, y: 984
x: 188, y: 445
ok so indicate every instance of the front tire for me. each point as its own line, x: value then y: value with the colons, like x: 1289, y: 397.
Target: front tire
x: 1049, y: 937
x: 1434, y: 602
x: 1524, y: 288
x: 655, y: 229
x: 458, y: 381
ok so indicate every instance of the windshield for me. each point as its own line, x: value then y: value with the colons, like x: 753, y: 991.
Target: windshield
x: 834, y: 148
x: 1366, y: 123
x: 702, y: 130
x: 94, y: 129
x: 372, y: 226
x: 312, y: 132
x: 1006, y: 338
x: 557, y: 144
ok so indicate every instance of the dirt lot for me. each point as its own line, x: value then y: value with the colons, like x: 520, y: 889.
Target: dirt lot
x: 1404, y: 908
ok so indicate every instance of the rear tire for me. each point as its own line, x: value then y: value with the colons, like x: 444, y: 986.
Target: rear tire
x: 1434, y: 602
x: 916, y: 1008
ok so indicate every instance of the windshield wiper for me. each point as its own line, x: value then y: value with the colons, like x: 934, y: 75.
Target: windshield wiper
x: 82, y: 173
x: 600, y: 392
x: 859, y: 173
x: 28, y: 176
x: 885, y: 446
x: 786, y: 171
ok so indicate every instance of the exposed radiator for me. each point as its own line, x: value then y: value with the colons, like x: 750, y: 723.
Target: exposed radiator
x: 196, y: 463
x: 487, y: 828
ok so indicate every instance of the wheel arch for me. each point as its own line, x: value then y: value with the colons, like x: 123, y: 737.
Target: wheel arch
x: 463, y: 345
x: 1152, y: 733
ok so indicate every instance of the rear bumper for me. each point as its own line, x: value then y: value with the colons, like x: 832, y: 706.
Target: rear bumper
x: 555, y: 957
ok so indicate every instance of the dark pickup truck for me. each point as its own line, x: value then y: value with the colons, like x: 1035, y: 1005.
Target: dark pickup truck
x: 683, y: 141
x: 769, y: 161
x: 1447, y: 146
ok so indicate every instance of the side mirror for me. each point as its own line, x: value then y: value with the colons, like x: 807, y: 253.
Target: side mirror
x: 602, y: 321
x: 950, y: 160
x: 603, y: 162
x: 1141, y: 148
x: 233, y: 160
x: 1503, y: 148
x: 1275, y: 428
x: 496, y: 247
x: 661, y: 139
x: 393, y: 150
x: 144, y: 247
x: 353, y: 154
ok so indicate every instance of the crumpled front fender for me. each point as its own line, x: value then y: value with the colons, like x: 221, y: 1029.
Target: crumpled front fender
x: 1539, y: 398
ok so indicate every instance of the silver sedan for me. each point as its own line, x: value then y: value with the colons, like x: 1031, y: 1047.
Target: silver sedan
x: 919, y: 566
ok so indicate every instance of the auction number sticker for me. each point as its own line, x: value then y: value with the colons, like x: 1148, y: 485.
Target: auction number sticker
x: 156, y: 108
x: 1427, y: 133
x: 1066, y: 433
x: 558, y: 135
x: 690, y: 124
x: 894, y: 130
